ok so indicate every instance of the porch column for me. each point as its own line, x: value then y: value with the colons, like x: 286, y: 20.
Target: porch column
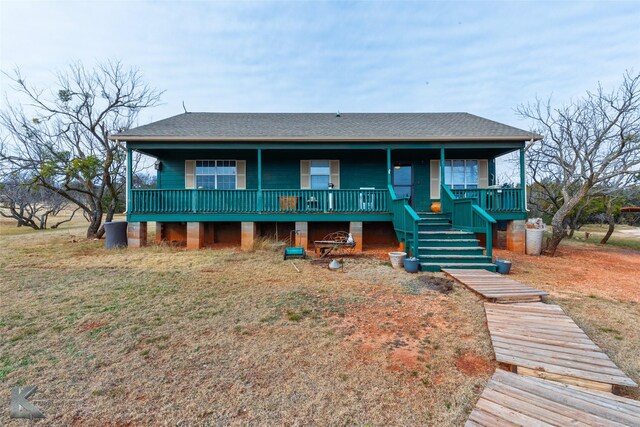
x: 195, y: 235
x: 355, y: 228
x: 248, y: 234
x: 158, y: 232
x: 129, y: 180
x: 388, y: 166
x: 523, y: 184
x: 137, y: 234
x: 302, y: 235
x: 259, y: 196
x: 441, y: 166
x: 516, y: 236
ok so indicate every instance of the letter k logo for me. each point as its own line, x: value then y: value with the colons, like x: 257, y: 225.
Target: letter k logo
x: 20, y: 407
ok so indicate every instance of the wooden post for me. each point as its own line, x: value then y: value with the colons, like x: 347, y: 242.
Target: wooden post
x: 129, y: 179
x: 158, y: 232
x: 523, y: 184
x: 441, y: 167
x: 259, y: 195
x: 388, y: 166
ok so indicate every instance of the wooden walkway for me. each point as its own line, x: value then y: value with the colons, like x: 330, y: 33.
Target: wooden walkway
x: 540, y: 340
x: 495, y: 287
x: 513, y: 400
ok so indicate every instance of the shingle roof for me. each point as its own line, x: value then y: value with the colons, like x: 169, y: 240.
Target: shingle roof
x: 324, y: 126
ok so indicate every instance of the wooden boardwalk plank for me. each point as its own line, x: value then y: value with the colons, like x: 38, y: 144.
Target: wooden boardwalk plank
x: 495, y: 287
x: 512, y: 399
x: 545, y: 342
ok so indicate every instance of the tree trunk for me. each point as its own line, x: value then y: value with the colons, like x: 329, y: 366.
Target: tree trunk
x: 612, y: 226
x: 95, y: 230
x: 558, y: 221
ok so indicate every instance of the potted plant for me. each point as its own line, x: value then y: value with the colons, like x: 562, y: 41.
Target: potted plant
x: 411, y: 265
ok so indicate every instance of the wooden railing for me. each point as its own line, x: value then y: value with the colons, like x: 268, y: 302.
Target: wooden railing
x: 405, y: 221
x: 255, y: 201
x: 494, y: 199
x: 466, y: 215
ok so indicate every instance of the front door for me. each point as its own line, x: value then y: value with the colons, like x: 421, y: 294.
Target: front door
x: 403, y: 180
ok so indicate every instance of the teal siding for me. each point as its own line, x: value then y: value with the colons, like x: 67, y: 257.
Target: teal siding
x: 358, y: 168
x: 171, y: 176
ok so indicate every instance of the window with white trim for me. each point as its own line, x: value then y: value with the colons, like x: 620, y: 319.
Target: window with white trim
x: 216, y: 174
x: 461, y: 174
x: 320, y: 174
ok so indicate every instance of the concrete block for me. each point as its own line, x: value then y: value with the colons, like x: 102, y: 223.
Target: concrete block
x: 247, y: 235
x: 516, y: 238
x: 137, y: 234
x: 302, y: 235
x: 195, y: 235
x: 355, y: 228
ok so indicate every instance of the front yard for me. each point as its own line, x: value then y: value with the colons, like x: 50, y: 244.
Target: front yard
x: 221, y: 337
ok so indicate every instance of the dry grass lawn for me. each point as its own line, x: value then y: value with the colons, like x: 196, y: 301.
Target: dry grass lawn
x: 599, y: 287
x: 220, y: 337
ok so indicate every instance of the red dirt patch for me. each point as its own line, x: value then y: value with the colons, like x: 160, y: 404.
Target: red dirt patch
x: 473, y: 365
x: 582, y: 269
x: 91, y: 325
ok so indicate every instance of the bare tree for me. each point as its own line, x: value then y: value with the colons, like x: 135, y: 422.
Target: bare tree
x: 61, y: 135
x: 29, y: 204
x: 587, y: 143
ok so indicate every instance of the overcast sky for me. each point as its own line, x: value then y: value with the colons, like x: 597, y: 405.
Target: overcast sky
x: 481, y: 57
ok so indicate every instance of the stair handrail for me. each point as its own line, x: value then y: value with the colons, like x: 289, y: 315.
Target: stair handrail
x: 405, y: 219
x: 469, y: 216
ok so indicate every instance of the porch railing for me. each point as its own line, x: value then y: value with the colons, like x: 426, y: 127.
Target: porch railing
x: 466, y: 215
x: 494, y: 199
x: 405, y: 221
x: 256, y: 201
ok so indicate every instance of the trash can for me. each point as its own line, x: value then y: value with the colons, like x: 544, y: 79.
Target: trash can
x: 534, y: 241
x: 116, y: 234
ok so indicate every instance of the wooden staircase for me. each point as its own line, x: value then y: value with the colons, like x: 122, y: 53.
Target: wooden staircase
x: 440, y: 246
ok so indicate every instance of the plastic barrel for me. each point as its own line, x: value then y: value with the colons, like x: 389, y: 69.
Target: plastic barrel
x: 534, y: 241
x: 116, y: 234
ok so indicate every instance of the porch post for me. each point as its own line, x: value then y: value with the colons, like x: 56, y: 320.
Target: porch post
x: 259, y: 198
x: 129, y: 180
x: 523, y: 184
x: 441, y: 166
x: 388, y: 166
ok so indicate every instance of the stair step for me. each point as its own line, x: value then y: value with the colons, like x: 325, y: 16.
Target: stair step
x: 449, y: 232
x: 433, y: 266
x: 455, y: 257
x: 450, y: 250
x: 447, y: 243
x: 431, y: 224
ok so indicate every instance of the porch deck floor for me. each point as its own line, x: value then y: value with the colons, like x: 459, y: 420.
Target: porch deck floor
x: 537, y: 339
x: 511, y: 399
x: 495, y: 287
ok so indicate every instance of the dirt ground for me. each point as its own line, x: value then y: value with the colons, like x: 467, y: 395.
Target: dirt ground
x: 163, y: 335
x: 599, y: 287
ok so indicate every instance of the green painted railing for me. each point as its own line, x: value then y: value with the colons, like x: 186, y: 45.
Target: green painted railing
x: 405, y: 221
x: 255, y: 201
x: 494, y: 199
x: 466, y: 215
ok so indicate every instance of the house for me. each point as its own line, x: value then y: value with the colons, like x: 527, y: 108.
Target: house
x: 225, y: 177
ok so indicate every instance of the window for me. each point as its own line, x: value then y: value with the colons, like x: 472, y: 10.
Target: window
x: 460, y: 174
x: 216, y: 174
x: 320, y: 174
